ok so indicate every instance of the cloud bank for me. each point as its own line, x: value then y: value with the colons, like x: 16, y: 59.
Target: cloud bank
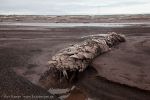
x: 74, y: 7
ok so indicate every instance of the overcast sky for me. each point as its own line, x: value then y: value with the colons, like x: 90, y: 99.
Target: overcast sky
x: 74, y: 7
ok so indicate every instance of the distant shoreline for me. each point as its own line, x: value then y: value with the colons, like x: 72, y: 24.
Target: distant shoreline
x: 76, y: 18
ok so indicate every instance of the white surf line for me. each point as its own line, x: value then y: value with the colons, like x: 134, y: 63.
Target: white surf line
x: 61, y: 25
x: 50, y: 38
x: 94, y: 35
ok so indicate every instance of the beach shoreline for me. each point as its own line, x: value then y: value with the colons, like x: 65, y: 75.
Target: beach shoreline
x: 25, y: 50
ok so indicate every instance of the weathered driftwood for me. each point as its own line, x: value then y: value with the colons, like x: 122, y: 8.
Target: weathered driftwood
x: 77, y: 58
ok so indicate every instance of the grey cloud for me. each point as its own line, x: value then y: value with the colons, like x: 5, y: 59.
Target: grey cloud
x: 64, y: 6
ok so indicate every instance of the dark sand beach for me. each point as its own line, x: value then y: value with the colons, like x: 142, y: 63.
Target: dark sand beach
x: 28, y: 42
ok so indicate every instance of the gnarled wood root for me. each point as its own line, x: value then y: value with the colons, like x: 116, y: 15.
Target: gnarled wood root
x: 77, y: 58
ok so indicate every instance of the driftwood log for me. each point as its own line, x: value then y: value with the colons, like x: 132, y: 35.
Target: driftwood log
x: 76, y: 58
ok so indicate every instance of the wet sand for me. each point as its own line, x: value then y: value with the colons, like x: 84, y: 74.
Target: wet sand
x: 121, y: 74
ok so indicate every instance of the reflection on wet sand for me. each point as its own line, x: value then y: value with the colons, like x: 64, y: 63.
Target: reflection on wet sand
x: 91, y: 86
x: 99, y: 88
